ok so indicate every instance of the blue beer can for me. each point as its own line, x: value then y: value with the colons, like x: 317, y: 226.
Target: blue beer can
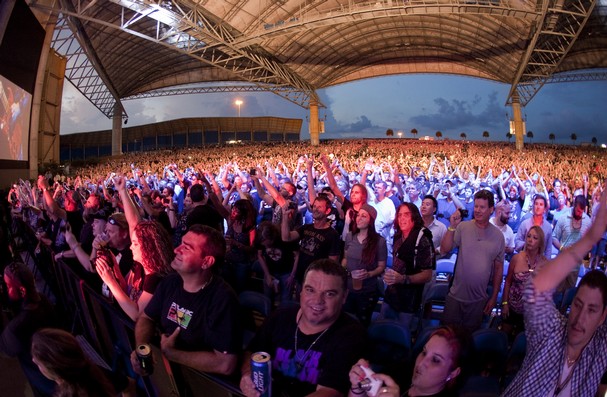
x: 261, y: 373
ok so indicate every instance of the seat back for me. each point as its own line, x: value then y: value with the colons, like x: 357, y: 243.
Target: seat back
x: 567, y: 300
x: 254, y: 307
x: 390, y: 346
x: 490, y: 351
x: 444, y: 270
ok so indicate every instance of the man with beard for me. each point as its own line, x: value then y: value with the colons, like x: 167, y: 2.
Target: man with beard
x: 32, y: 312
x: 500, y: 220
x: 317, y: 240
x: 568, y: 230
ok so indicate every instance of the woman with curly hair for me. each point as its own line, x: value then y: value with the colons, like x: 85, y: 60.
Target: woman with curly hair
x: 152, y: 255
x: 60, y: 358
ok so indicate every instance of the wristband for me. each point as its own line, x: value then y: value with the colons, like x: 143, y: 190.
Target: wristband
x: 504, y: 303
x: 451, y: 229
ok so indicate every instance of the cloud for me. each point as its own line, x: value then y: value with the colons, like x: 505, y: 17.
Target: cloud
x: 78, y: 114
x: 460, y: 115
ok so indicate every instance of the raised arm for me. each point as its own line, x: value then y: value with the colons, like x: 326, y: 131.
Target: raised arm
x: 331, y: 179
x: 310, y: 180
x: 131, y: 212
x: 51, y: 204
x: 555, y: 271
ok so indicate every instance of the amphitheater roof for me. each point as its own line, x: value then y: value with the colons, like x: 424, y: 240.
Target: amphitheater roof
x: 118, y: 49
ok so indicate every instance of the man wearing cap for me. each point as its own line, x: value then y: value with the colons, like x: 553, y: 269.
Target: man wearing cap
x: 115, y: 237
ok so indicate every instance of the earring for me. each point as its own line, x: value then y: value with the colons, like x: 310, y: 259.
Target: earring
x: 448, y: 379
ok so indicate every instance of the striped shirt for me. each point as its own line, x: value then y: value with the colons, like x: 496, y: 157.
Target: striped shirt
x: 546, y: 330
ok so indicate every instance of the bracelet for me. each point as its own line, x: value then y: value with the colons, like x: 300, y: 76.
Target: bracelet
x: 504, y: 303
x: 451, y: 229
x: 358, y: 390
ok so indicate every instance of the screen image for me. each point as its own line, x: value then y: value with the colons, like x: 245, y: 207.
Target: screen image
x: 15, y: 109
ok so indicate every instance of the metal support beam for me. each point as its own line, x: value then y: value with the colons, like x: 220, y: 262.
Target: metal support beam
x: 560, y: 26
x: 91, y: 55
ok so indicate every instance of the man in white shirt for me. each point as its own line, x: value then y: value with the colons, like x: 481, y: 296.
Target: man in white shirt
x: 500, y: 219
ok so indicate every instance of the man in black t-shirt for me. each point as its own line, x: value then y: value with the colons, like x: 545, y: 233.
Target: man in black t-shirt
x: 313, y: 346
x: 317, y: 240
x: 196, y: 311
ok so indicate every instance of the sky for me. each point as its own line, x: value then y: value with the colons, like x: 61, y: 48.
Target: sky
x: 368, y: 108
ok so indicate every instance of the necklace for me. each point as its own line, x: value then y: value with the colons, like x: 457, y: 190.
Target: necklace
x: 570, y: 361
x: 300, y: 360
x: 532, y: 268
x: 206, y: 283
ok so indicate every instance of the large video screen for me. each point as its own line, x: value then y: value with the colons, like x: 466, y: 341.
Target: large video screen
x: 22, y: 38
x: 15, y: 108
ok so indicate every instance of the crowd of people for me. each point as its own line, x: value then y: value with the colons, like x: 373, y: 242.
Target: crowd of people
x: 172, y: 238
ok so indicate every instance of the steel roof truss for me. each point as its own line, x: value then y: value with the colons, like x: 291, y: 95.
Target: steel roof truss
x: 561, y: 25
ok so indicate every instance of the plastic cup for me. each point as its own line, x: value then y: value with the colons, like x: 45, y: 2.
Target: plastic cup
x: 357, y: 282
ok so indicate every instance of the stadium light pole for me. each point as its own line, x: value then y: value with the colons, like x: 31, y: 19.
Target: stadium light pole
x: 238, y: 103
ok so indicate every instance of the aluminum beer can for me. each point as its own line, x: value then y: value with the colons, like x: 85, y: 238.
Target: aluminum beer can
x: 261, y: 373
x: 144, y: 354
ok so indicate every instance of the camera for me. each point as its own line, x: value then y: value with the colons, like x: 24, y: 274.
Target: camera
x: 463, y: 212
x: 369, y: 384
x: 253, y: 171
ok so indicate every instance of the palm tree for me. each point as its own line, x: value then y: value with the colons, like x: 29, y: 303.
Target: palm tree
x: 509, y: 136
x: 439, y: 134
x: 574, y: 138
x: 389, y: 132
x: 530, y: 135
x: 486, y: 135
x: 414, y: 132
x: 463, y: 135
x: 551, y: 137
x: 594, y: 140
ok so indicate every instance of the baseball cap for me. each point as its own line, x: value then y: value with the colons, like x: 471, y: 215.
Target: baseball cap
x: 118, y: 219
